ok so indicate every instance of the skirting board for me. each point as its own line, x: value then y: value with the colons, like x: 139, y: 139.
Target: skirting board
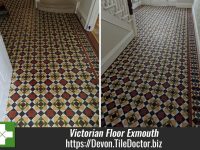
x: 184, y: 5
x: 159, y: 4
x: 4, y: 94
x: 115, y: 52
x: 135, y: 5
x: 56, y: 10
x: 196, y: 32
x: 179, y: 5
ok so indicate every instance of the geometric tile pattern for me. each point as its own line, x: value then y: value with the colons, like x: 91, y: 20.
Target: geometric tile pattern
x: 154, y: 81
x: 55, y: 77
x: 194, y: 74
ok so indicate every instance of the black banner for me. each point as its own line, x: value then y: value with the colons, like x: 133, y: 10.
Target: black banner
x: 106, y: 138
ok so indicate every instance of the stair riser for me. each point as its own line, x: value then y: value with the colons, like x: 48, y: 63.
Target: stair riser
x: 57, y: 6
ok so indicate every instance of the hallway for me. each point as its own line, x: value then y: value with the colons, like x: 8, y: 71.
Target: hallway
x: 55, y: 77
x: 155, y: 80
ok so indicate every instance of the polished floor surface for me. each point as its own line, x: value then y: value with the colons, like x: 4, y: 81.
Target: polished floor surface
x: 55, y: 70
x: 155, y: 80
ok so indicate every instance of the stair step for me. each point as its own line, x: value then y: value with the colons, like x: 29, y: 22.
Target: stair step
x: 58, y: 2
x: 130, y: 20
x: 124, y: 17
x: 118, y: 12
x: 59, y: 8
x: 109, y: 6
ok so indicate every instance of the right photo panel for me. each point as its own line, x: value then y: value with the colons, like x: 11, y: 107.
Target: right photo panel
x: 149, y: 63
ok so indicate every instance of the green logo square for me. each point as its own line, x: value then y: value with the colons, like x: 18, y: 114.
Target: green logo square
x: 7, y: 134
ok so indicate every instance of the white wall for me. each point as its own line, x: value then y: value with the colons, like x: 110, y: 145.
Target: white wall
x: 84, y: 8
x: 185, y: 3
x: 87, y: 12
x: 196, y: 15
x: 114, y: 39
x: 111, y: 36
x: 5, y: 78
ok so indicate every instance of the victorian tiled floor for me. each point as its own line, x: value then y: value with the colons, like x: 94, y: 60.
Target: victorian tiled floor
x: 155, y: 80
x: 55, y: 77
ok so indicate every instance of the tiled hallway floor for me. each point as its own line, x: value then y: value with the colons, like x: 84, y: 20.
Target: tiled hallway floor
x: 155, y: 80
x: 55, y: 77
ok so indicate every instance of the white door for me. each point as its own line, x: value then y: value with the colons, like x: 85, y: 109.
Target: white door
x: 88, y: 11
x: 5, y: 78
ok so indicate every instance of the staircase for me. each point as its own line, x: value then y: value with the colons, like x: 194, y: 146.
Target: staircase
x: 118, y: 29
x: 117, y: 12
x: 57, y: 6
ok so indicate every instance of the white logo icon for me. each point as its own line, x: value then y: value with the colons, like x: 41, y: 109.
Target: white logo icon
x: 4, y: 134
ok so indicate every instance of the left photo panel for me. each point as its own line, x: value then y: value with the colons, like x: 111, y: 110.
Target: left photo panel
x: 49, y: 63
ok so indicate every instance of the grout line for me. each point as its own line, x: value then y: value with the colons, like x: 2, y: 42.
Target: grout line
x: 91, y: 68
x: 85, y: 52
